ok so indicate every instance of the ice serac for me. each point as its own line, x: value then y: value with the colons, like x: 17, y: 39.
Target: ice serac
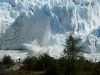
x: 27, y: 29
x: 49, y: 22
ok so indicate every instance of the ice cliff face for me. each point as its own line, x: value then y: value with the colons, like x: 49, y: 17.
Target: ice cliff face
x: 49, y: 22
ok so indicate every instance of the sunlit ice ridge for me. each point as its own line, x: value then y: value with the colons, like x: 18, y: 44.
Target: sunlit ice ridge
x: 41, y: 26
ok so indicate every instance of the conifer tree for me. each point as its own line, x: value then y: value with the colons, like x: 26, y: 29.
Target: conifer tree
x: 72, y: 54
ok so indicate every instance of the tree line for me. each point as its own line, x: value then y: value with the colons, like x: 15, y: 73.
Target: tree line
x: 72, y: 62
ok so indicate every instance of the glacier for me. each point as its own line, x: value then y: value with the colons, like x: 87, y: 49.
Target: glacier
x: 43, y: 25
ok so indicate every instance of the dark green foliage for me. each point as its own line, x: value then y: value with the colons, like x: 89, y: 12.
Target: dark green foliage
x: 29, y: 63
x: 61, y: 66
x: 72, y: 48
x: 88, y: 66
x: 74, y: 59
x: 71, y: 63
x: 1, y: 66
x: 96, y: 69
x: 47, y: 64
x: 7, y: 61
x: 52, y: 70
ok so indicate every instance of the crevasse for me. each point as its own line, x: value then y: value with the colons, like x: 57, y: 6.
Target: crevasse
x: 46, y: 21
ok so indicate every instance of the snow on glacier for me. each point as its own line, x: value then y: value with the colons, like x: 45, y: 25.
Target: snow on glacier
x: 14, y: 54
x: 49, y: 22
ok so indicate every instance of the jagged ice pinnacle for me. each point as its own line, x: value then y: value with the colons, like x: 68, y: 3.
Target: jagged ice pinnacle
x: 49, y: 22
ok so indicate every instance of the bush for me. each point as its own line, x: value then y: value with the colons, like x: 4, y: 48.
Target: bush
x: 47, y: 64
x: 7, y: 61
x: 96, y: 69
x: 29, y: 63
x: 61, y: 66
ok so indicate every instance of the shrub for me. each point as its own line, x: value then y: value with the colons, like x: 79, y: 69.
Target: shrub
x: 29, y: 63
x: 48, y: 64
x: 7, y: 61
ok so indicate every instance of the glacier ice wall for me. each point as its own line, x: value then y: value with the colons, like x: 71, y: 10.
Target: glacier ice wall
x: 49, y: 22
